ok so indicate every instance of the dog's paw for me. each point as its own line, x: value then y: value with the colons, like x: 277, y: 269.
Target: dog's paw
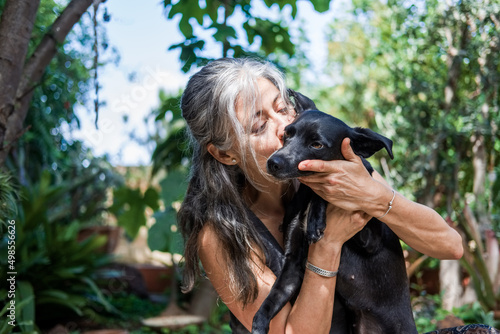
x: 260, y: 330
x: 315, y: 236
x: 260, y: 324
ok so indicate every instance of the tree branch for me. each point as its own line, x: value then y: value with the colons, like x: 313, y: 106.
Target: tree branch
x: 36, y: 64
x: 47, y: 48
x: 96, y: 64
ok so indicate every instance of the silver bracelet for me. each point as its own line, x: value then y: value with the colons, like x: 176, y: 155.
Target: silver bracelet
x: 321, y: 272
x: 390, y: 204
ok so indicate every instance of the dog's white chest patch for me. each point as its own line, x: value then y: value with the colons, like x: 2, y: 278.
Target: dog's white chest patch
x: 303, y: 223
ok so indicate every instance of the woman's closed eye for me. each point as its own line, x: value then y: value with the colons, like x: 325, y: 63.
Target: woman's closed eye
x: 288, y: 111
x: 259, y: 127
x: 283, y: 110
x: 260, y: 123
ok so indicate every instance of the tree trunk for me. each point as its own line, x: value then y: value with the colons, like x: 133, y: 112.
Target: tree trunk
x: 33, y: 70
x: 450, y: 279
x: 449, y: 274
x: 16, y: 25
x: 479, y: 162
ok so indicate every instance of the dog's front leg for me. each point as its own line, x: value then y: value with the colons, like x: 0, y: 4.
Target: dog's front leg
x: 288, y: 282
x: 316, y: 218
x: 286, y: 286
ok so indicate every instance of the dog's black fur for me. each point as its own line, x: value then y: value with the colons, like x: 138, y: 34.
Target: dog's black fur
x: 372, y: 294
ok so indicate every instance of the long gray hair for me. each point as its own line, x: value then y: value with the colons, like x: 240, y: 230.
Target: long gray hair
x: 214, y: 194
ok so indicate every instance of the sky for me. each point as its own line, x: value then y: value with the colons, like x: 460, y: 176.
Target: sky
x: 142, y: 35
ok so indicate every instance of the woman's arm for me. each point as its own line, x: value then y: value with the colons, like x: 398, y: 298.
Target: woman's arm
x: 348, y: 185
x: 312, y: 311
x: 421, y: 227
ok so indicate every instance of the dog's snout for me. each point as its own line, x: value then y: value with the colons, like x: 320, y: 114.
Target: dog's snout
x: 275, y: 164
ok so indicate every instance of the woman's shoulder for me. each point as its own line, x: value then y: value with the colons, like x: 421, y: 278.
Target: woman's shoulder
x: 211, y: 253
x: 211, y: 247
x: 208, y: 239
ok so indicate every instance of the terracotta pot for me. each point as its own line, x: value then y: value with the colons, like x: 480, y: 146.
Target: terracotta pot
x: 428, y: 281
x: 156, y: 278
x: 112, y: 234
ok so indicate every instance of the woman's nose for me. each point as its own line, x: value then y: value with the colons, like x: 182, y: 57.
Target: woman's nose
x: 281, y: 129
x: 281, y: 136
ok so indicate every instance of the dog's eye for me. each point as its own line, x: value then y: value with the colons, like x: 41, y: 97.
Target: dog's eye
x: 317, y: 145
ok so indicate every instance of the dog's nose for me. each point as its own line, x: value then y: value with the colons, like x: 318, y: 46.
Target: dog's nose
x: 274, y: 164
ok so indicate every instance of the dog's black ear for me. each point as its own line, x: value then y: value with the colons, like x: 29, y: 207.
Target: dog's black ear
x: 302, y: 102
x: 366, y: 142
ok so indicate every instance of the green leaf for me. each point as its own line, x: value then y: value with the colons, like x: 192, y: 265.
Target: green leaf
x: 53, y: 293
x: 212, y: 9
x: 174, y: 10
x: 100, y: 297
x: 273, y: 36
x: 282, y: 4
x: 25, y: 311
x: 185, y: 27
x: 164, y: 235
x: 5, y: 328
x: 173, y: 186
x: 188, y: 55
x: 132, y: 220
x: 151, y: 198
x: 71, y: 301
x: 223, y: 32
x: 321, y: 5
x: 188, y: 8
x: 69, y: 272
x: 129, y: 207
x: 249, y: 29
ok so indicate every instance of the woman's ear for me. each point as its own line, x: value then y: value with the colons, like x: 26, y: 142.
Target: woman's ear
x: 224, y: 157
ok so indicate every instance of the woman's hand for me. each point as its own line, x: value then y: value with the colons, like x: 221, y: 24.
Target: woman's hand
x: 342, y: 225
x: 345, y: 183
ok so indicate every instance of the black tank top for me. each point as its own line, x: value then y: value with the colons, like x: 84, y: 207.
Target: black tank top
x: 274, y: 261
x: 275, y: 258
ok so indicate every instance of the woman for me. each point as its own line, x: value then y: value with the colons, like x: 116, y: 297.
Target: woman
x: 236, y: 111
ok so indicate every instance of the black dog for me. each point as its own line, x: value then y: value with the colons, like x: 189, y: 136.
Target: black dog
x: 372, y: 294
